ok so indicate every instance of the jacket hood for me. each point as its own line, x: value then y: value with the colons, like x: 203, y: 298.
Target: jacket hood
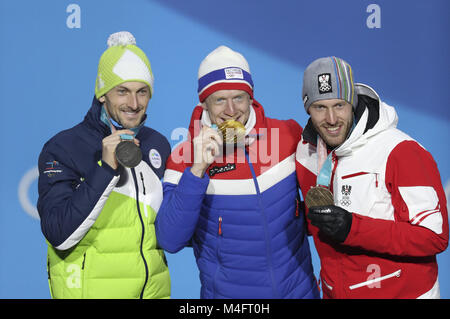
x: 376, y: 116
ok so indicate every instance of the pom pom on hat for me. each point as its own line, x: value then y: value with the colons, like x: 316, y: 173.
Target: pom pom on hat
x: 121, y: 38
x: 122, y: 62
x: 224, y: 69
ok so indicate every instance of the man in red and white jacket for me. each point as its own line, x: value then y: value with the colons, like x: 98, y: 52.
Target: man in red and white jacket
x: 389, y: 218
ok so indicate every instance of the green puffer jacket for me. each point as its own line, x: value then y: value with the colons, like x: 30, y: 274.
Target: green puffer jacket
x: 99, y: 226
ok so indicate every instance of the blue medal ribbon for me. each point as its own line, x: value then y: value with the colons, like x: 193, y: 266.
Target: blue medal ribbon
x: 324, y: 176
x: 109, y: 122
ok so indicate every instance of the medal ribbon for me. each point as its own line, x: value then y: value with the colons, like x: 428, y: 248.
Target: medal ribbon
x: 324, y: 164
x: 105, y: 118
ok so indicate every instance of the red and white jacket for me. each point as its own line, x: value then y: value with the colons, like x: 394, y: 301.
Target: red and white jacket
x: 392, y: 186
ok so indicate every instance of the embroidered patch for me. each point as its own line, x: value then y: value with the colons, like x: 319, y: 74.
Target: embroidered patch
x: 233, y: 73
x: 346, y: 191
x: 221, y: 169
x: 324, y: 82
x: 155, y: 158
x: 52, y: 168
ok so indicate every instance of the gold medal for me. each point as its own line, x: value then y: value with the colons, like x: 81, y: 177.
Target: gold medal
x: 319, y: 196
x: 233, y: 132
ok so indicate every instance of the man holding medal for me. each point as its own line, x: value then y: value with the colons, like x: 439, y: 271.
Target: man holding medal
x: 100, y: 188
x: 376, y: 206
x: 231, y: 192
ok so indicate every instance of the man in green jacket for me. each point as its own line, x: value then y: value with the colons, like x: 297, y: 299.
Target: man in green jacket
x: 98, y: 203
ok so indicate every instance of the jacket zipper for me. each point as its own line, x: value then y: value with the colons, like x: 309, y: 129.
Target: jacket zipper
x: 48, y: 268
x: 266, y: 231
x: 219, y: 240
x: 143, y: 191
x: 362, y: 173
x: 327, y: 285
x: 340, y: 265
x: 143, y: 232
x: 220, y: 226
x: 372, y: 281
x: 354, y: 175
x: 142, y: 180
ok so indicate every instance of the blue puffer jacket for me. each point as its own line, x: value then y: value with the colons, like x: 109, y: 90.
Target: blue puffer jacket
x: 248, y: 236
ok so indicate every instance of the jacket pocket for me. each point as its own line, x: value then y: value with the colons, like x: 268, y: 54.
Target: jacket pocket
x: 377, y: 280
x: 357, y: 192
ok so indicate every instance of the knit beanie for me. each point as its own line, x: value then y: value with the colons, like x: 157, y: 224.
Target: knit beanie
x: 328, y: 78
x: 122, y: 62
x: 224, y: 69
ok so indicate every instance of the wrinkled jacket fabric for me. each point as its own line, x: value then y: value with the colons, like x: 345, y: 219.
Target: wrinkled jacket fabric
x: 392, y: 186
x: 241, y: 218
x: 99, y: 223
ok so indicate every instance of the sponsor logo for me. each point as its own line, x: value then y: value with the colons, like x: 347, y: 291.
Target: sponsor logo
x: 221, y: 169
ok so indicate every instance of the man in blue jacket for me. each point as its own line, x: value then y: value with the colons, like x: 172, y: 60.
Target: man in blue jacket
x: 96, y: 214
x: 237, y: 204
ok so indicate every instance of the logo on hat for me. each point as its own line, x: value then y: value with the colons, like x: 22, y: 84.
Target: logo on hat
x: 233, y: 73
x: 324, y: 82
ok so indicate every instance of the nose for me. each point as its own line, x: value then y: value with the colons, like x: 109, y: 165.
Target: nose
x: 331, y: 116
x: 229, y: 109
x: 133, y: 101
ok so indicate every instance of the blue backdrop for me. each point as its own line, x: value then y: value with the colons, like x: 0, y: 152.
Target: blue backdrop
x: 49, y: 55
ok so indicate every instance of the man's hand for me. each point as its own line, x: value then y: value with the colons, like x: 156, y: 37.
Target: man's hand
x: 109, y: 145
x: 207, y: 145
x: 333, y: 221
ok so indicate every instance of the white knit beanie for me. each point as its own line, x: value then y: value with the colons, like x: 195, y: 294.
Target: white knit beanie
x: 224, y: 69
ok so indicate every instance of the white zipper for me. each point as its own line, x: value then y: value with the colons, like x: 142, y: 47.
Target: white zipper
x: 372, y: 281
x: 327, y: 285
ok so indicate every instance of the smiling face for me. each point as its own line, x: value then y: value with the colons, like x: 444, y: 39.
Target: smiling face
x: 332, y: 119
x: 226, y: 105
x: 127, y: 103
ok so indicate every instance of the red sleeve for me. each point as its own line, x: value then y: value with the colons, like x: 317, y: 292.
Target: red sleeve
x: 181, y: 157
x: 296, y: 129
x: 420, y: 227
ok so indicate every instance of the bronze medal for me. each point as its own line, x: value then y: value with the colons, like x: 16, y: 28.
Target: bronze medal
x: 319, y: 196
x: 128, y: 154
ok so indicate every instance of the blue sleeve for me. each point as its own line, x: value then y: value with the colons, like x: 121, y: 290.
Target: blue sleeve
x: 66, y: 198
x: 178, y: 215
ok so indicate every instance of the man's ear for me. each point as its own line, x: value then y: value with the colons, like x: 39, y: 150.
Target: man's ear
x: 102, y: 99
x: 204, y: 106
